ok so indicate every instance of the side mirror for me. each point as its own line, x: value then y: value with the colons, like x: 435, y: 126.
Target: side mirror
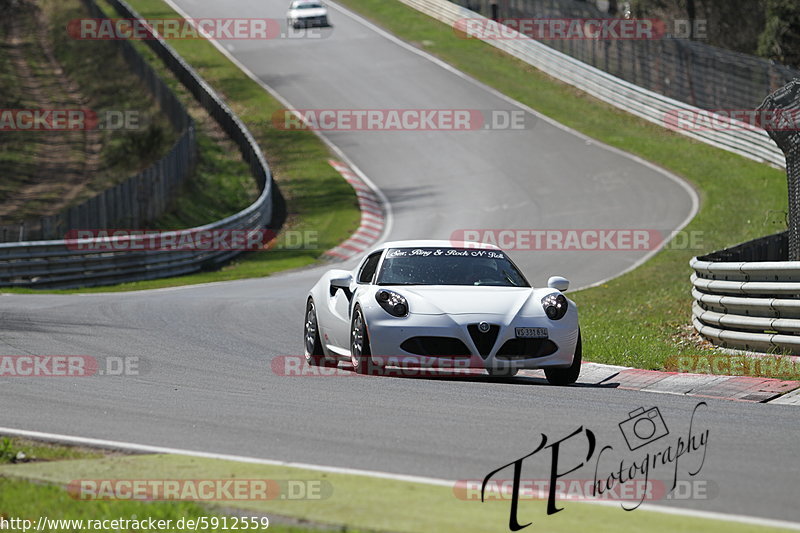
x: 341, y: 279
x: 558, y: 283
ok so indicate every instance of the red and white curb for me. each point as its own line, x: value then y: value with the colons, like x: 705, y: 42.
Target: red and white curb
x: 736, y: 388
x: 373, y: 216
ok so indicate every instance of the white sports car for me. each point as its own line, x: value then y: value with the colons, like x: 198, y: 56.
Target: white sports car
x: 305, y: 13
x: 436, y: 301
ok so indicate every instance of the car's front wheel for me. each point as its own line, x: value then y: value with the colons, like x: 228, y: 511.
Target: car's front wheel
x: 569, y: 375
x: 313, y: 345
x: 360, y: 353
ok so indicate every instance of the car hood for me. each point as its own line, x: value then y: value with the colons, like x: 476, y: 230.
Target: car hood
x: 462, y: 300
x: 306, y: 13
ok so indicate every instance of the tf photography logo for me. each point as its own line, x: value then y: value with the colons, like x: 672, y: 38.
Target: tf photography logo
x: 650, y: 453
x: 643, y: 427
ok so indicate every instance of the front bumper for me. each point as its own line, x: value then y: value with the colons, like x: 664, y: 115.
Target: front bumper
x: 307, y: 22
x: 389, y: 340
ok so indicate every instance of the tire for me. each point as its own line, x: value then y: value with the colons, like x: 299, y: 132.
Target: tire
x: 360, y: 353
x: 315, y: 356
x: 569, y: 375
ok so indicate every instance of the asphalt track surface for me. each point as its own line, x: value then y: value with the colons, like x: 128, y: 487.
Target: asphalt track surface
x: 206, y: 381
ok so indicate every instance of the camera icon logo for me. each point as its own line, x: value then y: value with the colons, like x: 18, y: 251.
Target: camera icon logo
x: 643, y: 427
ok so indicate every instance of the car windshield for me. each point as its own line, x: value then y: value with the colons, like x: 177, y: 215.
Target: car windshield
x: 308, y: 5
x: 449, y: 266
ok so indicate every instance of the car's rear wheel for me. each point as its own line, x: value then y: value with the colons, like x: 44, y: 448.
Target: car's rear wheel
x: 569, y: 375
x: 315, y: 356
x: 360, y: 353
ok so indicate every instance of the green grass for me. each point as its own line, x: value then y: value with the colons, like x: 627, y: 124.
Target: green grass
x: 11, y: 154
x: 86, y: 64
x: 643, y: 317
x: 14, y: 450
x: 349, y: 501
x: 125, y: 152
x: 23, y: 499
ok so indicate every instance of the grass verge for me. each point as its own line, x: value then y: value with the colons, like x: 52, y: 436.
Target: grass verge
x: 642, y: 318
x: 28, y: 498
x: 338, y: 500
x: 16, y: 450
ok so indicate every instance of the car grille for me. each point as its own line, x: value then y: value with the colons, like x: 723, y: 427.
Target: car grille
x: 484, y: 342
x: 436, y: 346
x: 526, y: 349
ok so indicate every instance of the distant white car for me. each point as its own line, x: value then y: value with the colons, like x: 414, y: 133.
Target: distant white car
x: 305, y: 13
x: 438, y: 301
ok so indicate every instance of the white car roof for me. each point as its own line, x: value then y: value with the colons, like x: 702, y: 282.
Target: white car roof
x: 438, y: 244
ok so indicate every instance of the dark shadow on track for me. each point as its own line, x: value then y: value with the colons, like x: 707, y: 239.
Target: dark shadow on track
x: 464, y: 376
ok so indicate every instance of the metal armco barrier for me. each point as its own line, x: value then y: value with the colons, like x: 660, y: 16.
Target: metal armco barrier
x: 746, y: 297
x: 52, y: 264
x: 649, y: 105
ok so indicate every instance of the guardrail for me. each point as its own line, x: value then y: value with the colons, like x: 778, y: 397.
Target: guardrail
x: 649, y: 105
x: 746, y: 296
x: 56, y: 264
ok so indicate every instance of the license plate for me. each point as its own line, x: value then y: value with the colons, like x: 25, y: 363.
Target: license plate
x: 532, y: 333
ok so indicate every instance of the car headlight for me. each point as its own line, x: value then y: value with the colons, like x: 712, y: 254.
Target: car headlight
x: 555, y: 306
x: 393, y: 303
